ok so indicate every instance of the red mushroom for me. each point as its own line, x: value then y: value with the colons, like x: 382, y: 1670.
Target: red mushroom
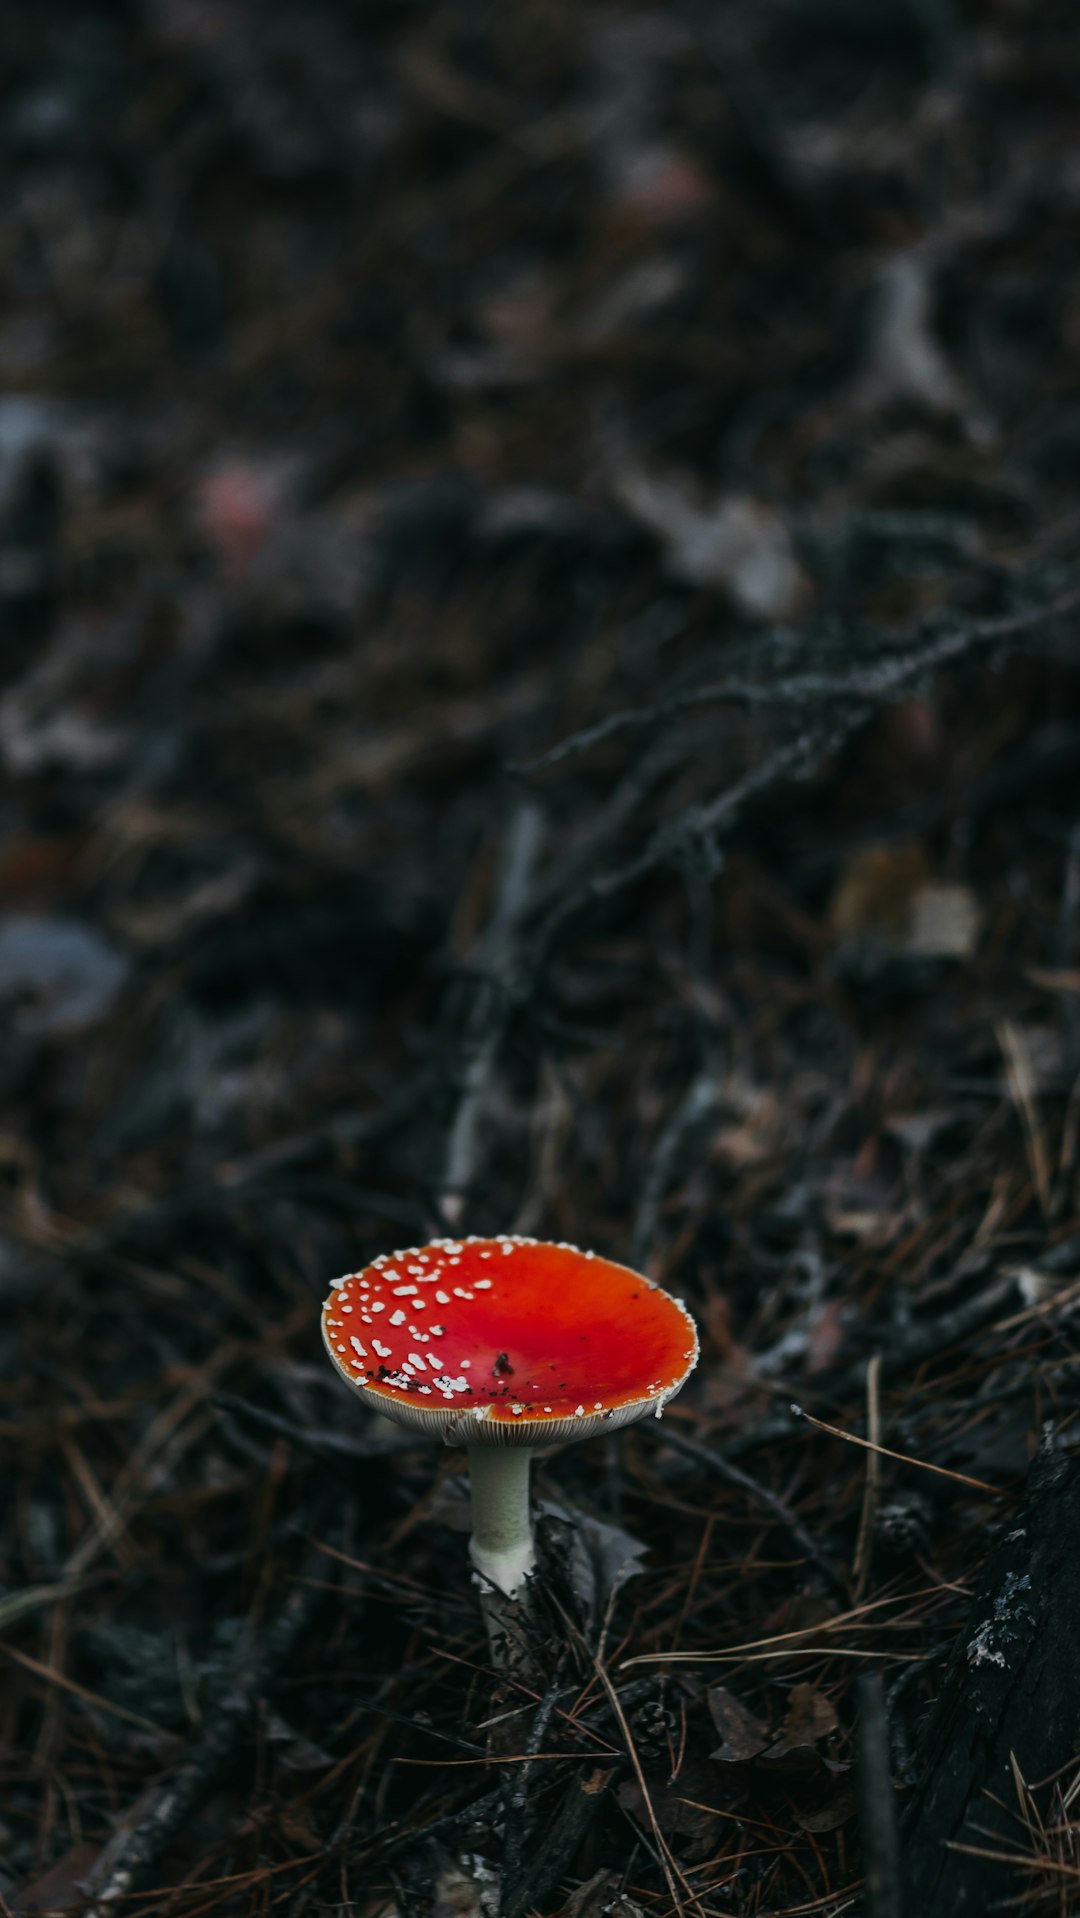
x: 502, y: 1344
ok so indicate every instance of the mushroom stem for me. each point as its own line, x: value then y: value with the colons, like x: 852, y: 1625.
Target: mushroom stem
x: 502, y: 1542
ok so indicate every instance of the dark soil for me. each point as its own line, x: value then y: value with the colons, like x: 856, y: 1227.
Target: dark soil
x: 539, y: 692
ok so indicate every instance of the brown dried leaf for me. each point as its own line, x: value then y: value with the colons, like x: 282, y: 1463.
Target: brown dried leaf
x: 600, y: 1897
x: 838, y: 1808
x: 743, y: 1736
x: 887, y: 900
x: 810, y: 1717
x: 875, y: 892
x: 58, y: 1889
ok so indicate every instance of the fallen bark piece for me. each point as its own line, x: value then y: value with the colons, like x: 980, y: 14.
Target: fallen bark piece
x: 876, y: 1802
x: 1011, y: 1692
x: 554, y: 1855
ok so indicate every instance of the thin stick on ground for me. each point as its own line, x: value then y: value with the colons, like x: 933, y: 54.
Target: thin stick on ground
x: 877, y: 1804
x: 905, y: 1458
x: 761, y: 1496
x: 819, y: 737
x: 676, y: 1883
x: 877, y: 682
x: 1021, y: 1078
x: 124, y: 1863
x: 688, y: 1114
x: 864, y: 1544
x: 476, y: 1047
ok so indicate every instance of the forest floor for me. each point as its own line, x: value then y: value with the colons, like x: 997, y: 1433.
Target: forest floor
x: 539, y: 691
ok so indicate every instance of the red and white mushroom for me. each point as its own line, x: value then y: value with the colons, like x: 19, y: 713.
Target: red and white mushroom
x: 502, y: 1344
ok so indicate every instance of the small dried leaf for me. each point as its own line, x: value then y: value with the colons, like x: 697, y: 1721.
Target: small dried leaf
x: 600, y: 1897
x: 888, y: 913
x: 295, y: 1752
x: 810, y: 1717
x: 57, y: 976
x: 465, y: 1887
x: 838, y: 1808
x: 875, y: 892
x: 743, y: 1736
x: 599, y: 1558
x: 59, y: 1888
x: 736, y: 543
x: 943, y: 923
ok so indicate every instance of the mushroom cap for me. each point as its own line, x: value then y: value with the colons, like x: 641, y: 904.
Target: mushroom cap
x: 508, y: 1341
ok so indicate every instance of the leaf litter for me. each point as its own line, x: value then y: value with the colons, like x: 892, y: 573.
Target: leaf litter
x: 657, y: 428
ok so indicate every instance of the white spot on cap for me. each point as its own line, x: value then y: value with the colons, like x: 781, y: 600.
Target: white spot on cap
x: 443, y: 1298
x: 579, y: 1411
x: 357, y: 1347
x: 483, y: 1285
x: 398, y: 1317
x: 383, y: 1350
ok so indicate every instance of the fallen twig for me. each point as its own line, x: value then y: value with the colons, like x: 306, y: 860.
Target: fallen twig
x: 124, y: 1863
